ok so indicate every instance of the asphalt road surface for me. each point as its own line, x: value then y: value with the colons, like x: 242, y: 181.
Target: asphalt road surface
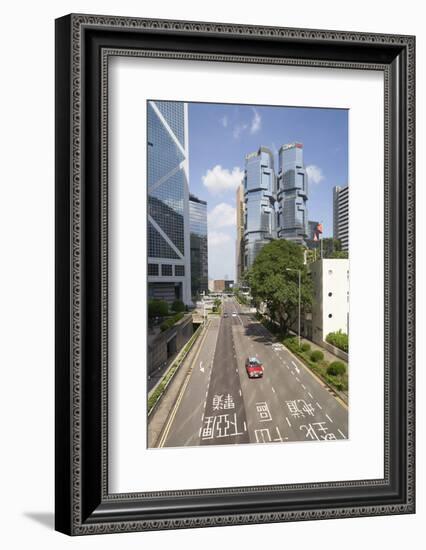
x: 218, y: 404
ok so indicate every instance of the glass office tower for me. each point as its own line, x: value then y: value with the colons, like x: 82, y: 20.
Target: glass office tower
x: 259, y: 192
x: 239, y: 245
x: 341, y: 215
x: 292, y: 194
x: 169, y: 270
x: 199, y: 247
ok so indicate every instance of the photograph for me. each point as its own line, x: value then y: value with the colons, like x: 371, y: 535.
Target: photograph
x: 248, y: 274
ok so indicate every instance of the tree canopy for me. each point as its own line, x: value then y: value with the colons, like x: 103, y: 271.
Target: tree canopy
x: 271, y: 283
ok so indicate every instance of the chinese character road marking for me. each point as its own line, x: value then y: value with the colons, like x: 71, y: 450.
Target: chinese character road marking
x: 221, y: 401
x: 299, y: 408
x: 219, y: 426
x: 318, y: 431
x: 264, y: 435
x: 263, y: 410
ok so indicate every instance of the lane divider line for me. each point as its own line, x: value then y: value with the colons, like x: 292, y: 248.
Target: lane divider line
x: 341, y: 433
x: 288, y: 421
x: 329, y: 418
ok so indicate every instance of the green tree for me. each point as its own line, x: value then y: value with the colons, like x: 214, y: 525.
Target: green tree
x: 178, y: 306
x: 157, y: 308
x: 272, y: 283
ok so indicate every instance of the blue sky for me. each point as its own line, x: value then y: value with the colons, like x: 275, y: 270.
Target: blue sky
x: 221, y: 135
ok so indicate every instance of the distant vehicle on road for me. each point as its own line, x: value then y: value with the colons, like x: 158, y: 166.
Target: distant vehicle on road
x: 225, y: 315
x: 234, y: 314
x: 254, y: 367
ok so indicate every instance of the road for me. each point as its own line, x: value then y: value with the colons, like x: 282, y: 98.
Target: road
x: 218, y: 404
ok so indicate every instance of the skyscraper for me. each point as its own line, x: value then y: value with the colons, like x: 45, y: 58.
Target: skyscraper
x: 259, y: 192
x: 341, y: 215
x: 292, y: 194
x: 169, y: 268
x: 199, y: 247
x: 239, y: 253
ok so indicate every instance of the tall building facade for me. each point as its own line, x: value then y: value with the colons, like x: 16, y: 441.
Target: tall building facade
x: 240, y: 214
x: 169, y: 267
x: 292, y: 194
x: 341, y: 215
x: 199, y: 246
x: 259, y: 199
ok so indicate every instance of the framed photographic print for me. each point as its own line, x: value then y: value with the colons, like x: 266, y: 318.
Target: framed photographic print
x: 233, y: 205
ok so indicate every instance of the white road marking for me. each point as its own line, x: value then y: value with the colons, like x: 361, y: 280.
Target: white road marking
x: 296, y: 367
x: 245, y: 426
x: 328, y: 418
x: 240, y: 393
x: 341, y: 433
x: 273, y: 389
x: 310, y: 395
x: 236, y: 370
x: 319, y: 406
x: 287, y: 366
x: 303, y: 386
x: 297, y: 379
x: 205, y: 403
x: 288, y: 421
x: 202, y: 417
x: 199, y: 433
x: 201, y: 366
x: 292, y: 372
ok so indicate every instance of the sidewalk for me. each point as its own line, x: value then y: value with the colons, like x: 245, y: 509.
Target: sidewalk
x: 158, y: 418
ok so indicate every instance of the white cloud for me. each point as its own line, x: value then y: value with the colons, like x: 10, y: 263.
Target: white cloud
x: 256, y: 122
x: 224, y: 121
x: 238, y: 130
x: 218, y: 179
x: 222, y: 215
x: 315, y: 174
x: 217, y: 238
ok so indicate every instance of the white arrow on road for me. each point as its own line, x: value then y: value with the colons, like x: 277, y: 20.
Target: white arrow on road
x: 201, y: 366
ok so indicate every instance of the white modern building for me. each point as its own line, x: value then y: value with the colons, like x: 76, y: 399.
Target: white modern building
x: 330, y: 308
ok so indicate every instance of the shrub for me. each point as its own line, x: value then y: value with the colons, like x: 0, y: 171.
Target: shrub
x: 317, y: 355
x: 338, y: 339
x: 168, y: 323
x: 157, y: 308
x: 337, y: 368
x: 178, y: 306
x: 305, y: 347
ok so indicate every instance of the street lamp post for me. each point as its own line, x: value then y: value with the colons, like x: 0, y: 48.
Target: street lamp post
x: 299, y: 277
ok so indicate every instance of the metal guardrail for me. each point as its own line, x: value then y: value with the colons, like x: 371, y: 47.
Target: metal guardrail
x: 175, y: 365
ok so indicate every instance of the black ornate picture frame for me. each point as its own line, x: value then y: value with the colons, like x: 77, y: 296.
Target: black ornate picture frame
x: 84, y: 43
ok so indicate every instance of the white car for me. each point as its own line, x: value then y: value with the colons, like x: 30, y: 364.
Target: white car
x: 234, y: 314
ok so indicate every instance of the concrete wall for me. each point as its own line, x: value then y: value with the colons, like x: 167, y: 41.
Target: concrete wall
x: 330, y: 308
x: 168, y: 343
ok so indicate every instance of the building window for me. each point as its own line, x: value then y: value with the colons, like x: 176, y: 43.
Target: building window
x: 153, y: 270
x: 179, y: 270
x: 166, y: 270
